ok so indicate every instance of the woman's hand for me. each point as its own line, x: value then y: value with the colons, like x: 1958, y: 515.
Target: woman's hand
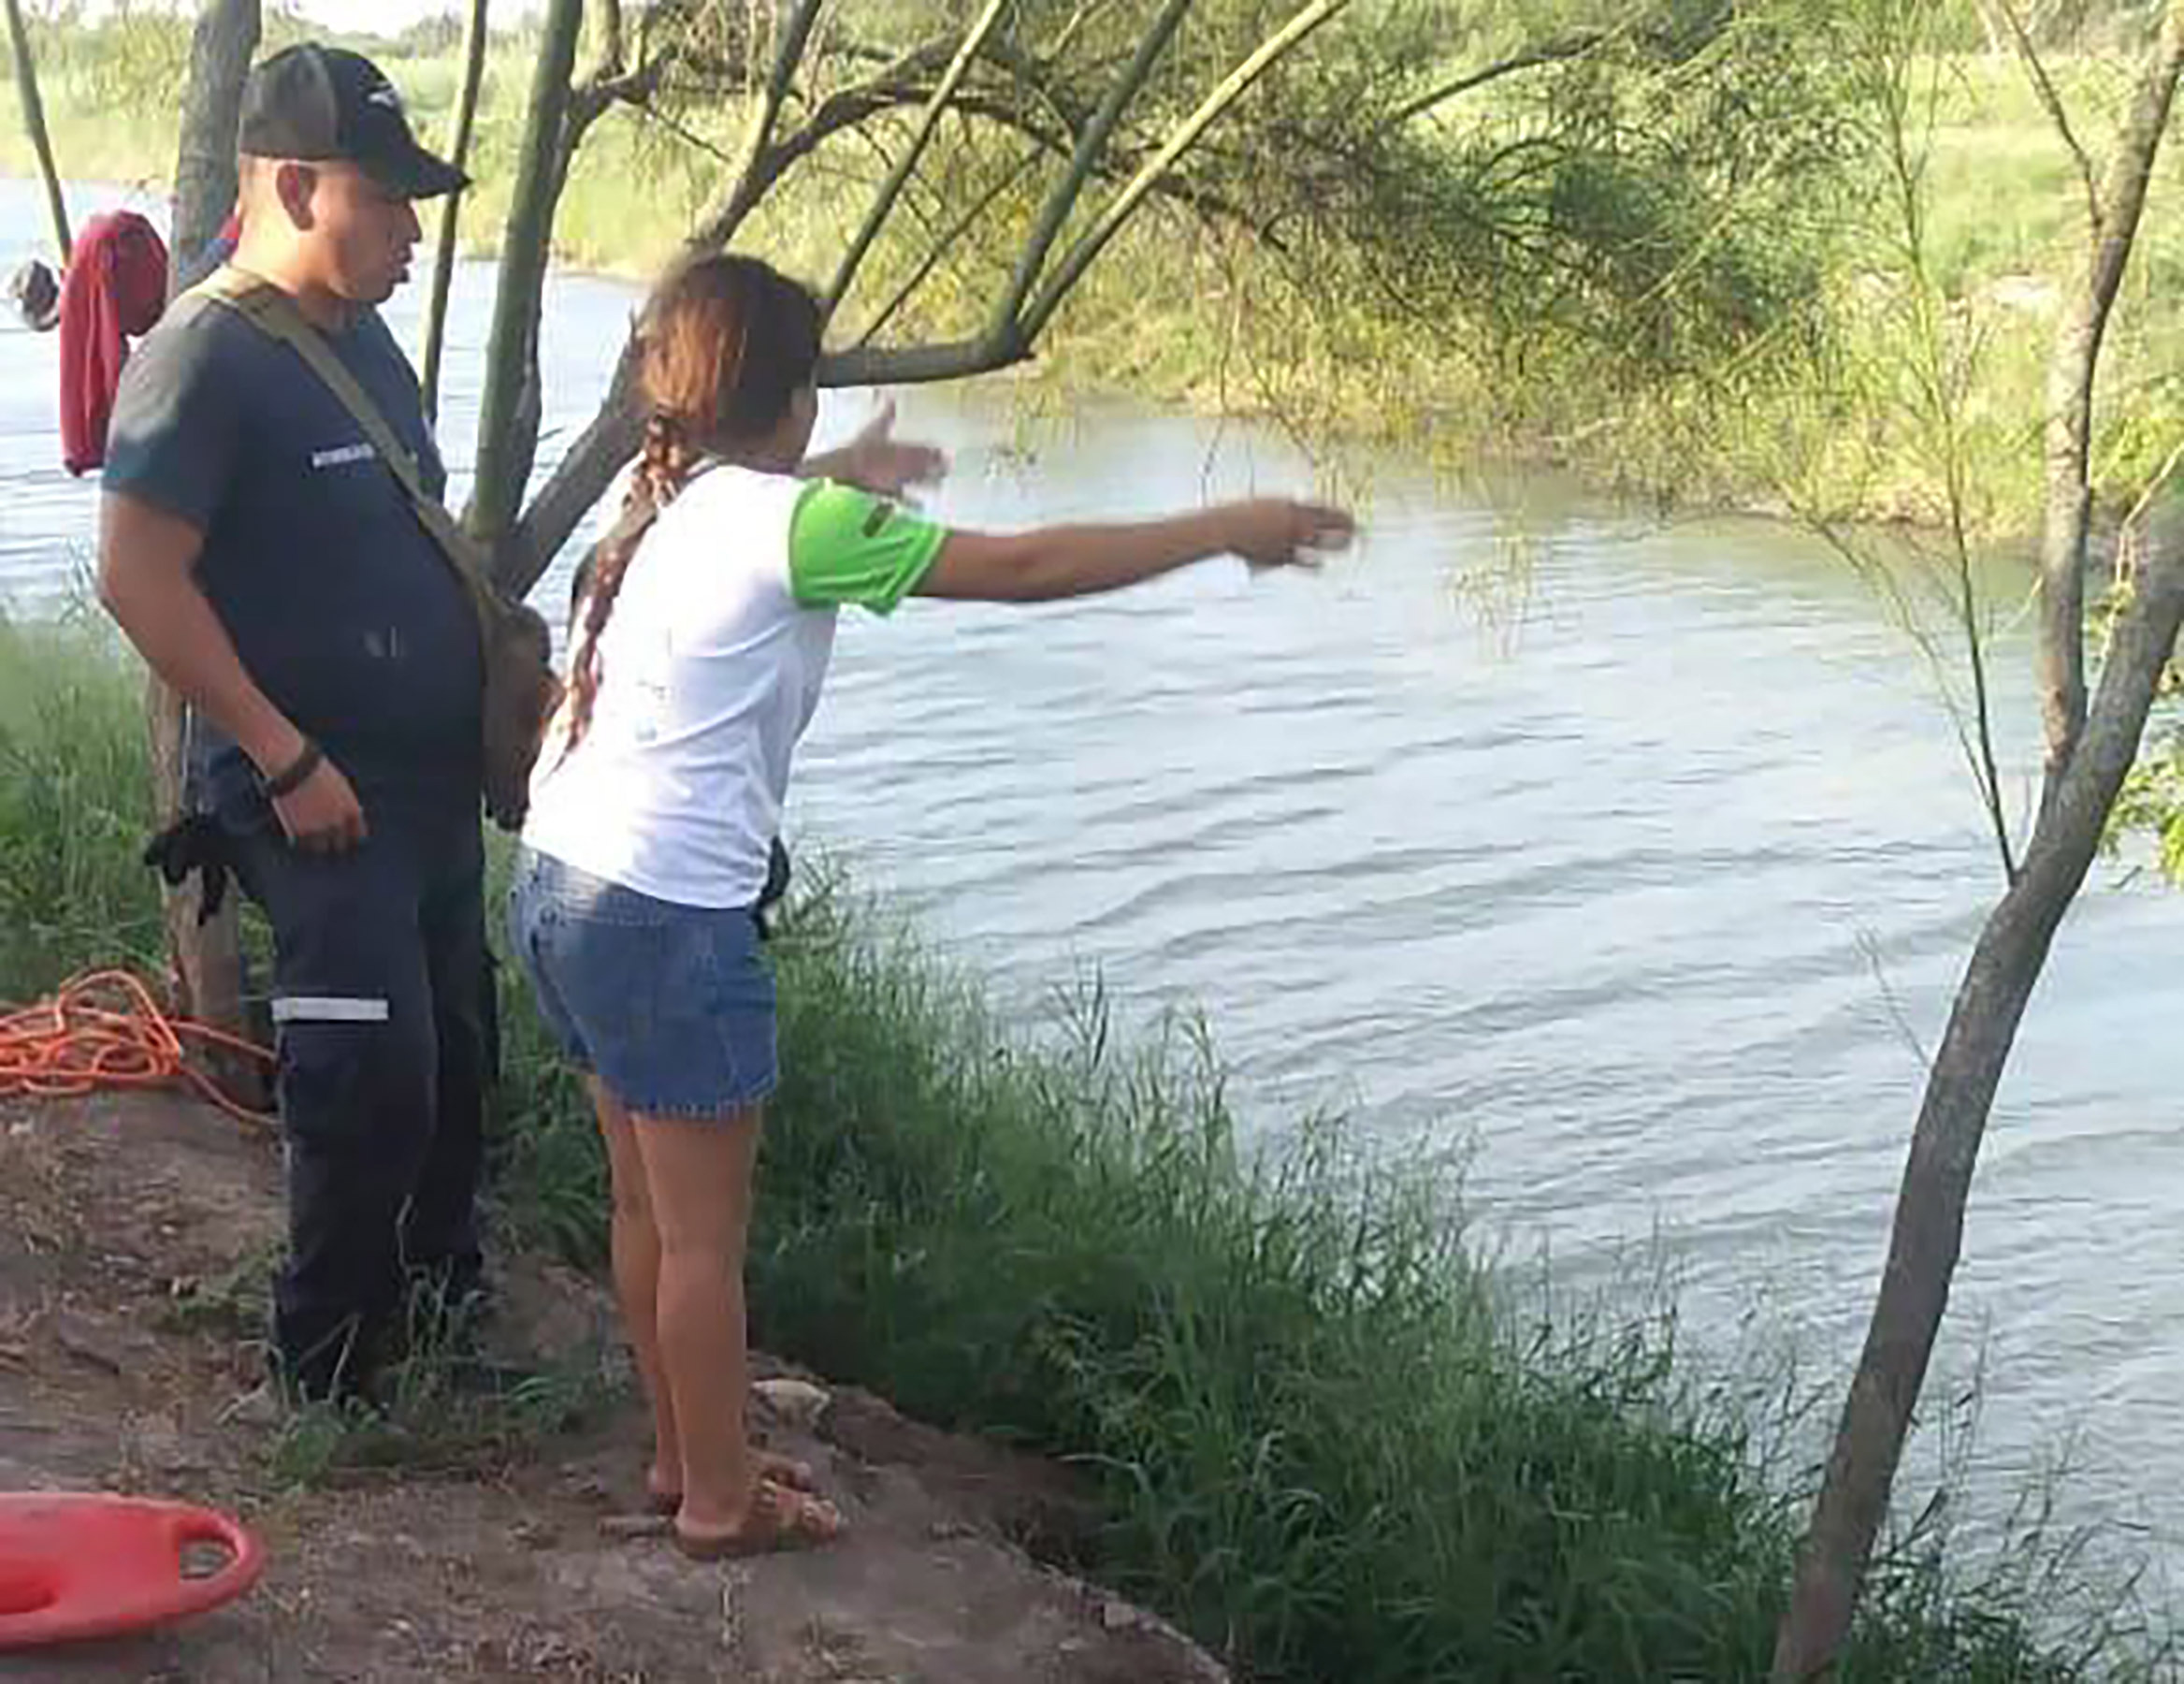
x: 1276, y: 531
x: 876, y: 461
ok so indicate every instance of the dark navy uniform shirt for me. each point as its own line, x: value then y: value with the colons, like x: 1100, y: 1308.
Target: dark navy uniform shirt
x: 342, y: 608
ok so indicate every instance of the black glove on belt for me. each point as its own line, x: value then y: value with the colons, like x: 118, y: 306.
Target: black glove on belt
x: 194, y: 842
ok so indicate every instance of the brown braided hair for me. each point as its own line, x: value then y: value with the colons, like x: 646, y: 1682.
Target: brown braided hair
x: 724, y: 347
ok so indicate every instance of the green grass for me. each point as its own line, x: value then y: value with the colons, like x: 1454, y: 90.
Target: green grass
x: 433, y: 1415
x: 75, y: 810
x: 1327, y: 1440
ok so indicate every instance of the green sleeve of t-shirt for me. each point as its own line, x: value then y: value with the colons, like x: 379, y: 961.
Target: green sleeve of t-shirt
x: 847, y: 546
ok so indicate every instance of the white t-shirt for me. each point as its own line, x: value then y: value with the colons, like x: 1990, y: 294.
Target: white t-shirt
x: 709, y: 671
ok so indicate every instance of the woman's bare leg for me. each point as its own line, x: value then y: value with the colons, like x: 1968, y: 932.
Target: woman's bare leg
x: 699, y: 1177
x: 635, y: 1249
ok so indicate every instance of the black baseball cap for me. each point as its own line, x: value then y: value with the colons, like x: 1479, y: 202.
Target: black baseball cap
x: 313, y: 102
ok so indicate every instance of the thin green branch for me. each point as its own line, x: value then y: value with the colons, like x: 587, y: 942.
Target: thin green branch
x: 1232, y: 88
x: 34, y: 120
x: 943, y: 244
x: 759, y: 167
x: 466, y: 117
x: 1061, y: 203
x: 1550, y: 53
x: 883, y: 203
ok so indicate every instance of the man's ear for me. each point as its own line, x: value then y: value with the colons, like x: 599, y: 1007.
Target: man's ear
x: 295, y: 185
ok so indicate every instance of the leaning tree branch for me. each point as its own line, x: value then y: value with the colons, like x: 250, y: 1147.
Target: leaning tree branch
x: 578, y: 481
x: 2090, y: 754
x: 222, y: 45
x: 507, y: 428
x: 1927, y: 1235
x: 33, y: 122
x: 924, y: 365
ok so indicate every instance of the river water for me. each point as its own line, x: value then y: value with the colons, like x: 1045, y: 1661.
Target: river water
x: 1640, y: 885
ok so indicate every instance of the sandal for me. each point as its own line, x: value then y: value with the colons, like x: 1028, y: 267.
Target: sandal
x: 780, y: 1469
x: 779, y: 1519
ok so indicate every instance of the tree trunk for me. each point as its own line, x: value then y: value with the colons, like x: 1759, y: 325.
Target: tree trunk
x: 581, y: 479
x: 506, y: 445
x: 2070, y: 403
x: 444, y: 253
x: 207, y: 958
x: 2088, y: 756
x: 221, y: 50
x: 34, y: 120
x: 1929, y: 1210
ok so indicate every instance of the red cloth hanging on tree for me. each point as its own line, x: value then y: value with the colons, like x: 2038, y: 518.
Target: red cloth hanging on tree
x: 114, y: 291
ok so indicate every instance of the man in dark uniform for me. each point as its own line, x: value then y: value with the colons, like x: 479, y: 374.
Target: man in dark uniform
x: 268, y: 566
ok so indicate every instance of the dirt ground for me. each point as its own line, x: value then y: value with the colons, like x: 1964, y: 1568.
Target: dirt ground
x: 129, y: 1227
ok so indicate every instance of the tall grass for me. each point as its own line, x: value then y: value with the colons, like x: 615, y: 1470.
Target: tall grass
x: 1324, y: 1438
x: 75, y: 809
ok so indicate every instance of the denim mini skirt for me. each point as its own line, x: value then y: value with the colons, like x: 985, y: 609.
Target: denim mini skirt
x: 670, y: 1007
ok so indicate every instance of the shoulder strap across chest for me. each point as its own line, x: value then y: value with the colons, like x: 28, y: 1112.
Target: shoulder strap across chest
x: 272, y: 312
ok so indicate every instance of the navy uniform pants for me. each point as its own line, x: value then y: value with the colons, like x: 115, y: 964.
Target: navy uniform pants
x: 383, y: 1011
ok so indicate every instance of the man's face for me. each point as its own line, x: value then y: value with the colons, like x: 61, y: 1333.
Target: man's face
x: 360, y: 235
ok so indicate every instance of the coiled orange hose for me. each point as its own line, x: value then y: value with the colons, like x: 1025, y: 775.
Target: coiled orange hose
x: 104, y: 1030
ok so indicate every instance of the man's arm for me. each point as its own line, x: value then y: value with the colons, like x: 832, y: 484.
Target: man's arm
x: 147, y: 559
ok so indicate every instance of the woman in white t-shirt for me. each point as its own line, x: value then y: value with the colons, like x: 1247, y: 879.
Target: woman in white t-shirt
x: 700, y: 642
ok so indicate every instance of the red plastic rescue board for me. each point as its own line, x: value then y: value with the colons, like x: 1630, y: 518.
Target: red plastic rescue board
x: 79, y: 1565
